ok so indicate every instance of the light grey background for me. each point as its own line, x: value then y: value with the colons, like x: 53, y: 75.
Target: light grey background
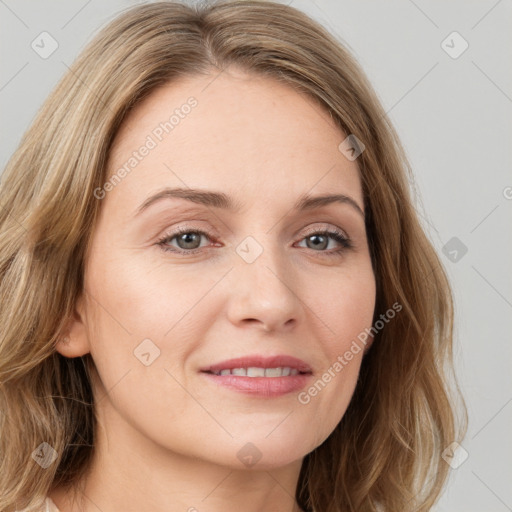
x: 454, y: 118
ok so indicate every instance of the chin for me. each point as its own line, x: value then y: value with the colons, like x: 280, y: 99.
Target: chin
x: 264, y: 453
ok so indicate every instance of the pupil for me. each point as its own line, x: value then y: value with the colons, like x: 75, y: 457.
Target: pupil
x: 319, y: 241
x: 188, y: 238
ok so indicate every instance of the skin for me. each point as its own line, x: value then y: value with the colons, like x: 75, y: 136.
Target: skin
x: 168, y: 438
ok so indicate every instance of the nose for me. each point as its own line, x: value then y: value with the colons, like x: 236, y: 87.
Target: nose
x: 263, y: 293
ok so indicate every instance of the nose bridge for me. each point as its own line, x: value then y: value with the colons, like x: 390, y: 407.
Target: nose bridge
x: 262, y: 287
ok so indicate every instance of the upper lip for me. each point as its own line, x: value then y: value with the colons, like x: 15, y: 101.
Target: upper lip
x: 257, y: 361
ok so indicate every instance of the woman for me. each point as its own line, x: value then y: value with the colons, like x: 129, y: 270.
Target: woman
x: 216, y: 293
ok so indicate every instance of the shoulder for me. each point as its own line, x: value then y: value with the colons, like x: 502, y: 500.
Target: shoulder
x: 50, y: 505
x: 47, y: 506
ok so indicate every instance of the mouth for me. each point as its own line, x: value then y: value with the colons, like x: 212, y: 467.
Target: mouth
x: 255, y: 371
x: 260, y: 366
x: 262, y: 376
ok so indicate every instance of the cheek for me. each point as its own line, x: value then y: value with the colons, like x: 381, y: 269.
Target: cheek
x: 143, y: 324
x: 144, y: 297
x: 345, y: 307
x: 135, y: 319
x: 345, y: 304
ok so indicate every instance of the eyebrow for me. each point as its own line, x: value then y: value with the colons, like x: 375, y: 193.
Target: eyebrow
x: 221, y: 200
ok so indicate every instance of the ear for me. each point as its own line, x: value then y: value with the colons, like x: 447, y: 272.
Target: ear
x: 74, y: 341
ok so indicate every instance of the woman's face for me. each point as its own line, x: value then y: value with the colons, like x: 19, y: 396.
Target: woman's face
x: 257, y: 280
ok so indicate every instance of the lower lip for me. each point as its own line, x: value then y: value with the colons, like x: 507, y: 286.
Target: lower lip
x: 261, y: 386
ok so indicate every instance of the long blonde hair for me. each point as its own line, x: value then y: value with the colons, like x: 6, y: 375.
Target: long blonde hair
x: 385, y: 454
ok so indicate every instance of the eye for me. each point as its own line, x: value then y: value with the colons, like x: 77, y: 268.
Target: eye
x: 189, y: 241
x: 319, y: 240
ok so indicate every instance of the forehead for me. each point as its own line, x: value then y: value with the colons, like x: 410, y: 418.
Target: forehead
x: 251, y: 136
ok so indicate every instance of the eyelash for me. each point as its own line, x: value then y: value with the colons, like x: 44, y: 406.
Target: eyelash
x: 335, y: 234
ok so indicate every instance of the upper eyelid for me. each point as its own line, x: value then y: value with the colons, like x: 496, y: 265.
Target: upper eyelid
x: 324, y: 226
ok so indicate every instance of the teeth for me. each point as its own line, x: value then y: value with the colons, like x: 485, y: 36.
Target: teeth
x: 273, y: 372
x: 260, y: 372
x: 255, y: 372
